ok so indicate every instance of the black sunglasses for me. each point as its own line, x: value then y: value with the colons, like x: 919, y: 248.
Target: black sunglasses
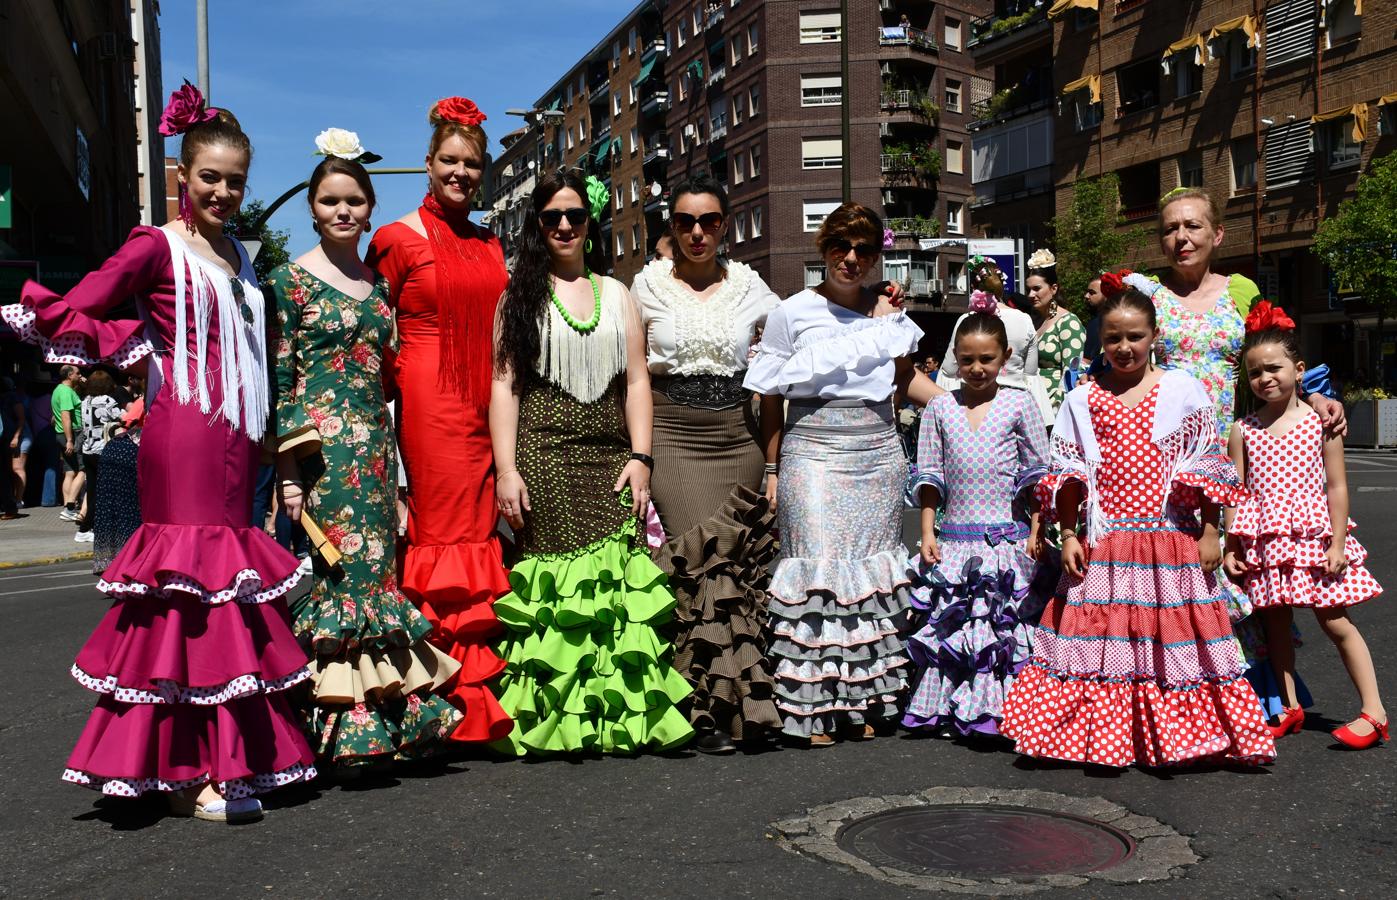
x: 709, y: 222
x: 842, y: 247
x: 552, y: 218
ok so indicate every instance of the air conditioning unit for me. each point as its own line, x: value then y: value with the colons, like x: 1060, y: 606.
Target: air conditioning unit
x: 935, y: 284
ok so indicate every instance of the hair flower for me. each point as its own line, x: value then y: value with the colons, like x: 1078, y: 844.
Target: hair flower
x: 1267, y: 315
x: 459, y: 110
x: 1042, y: 259
x: 184, y: 110
x: 343, y: 144
x: 984, y: 302
x: 598, y: 196
x: 1113, y: 283
x: 889, y: 238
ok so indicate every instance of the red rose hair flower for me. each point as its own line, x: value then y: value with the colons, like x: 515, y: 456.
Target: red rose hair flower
x: 185, y: 110
x: 1267, y: 315
x: 459, y: 110
x: 1113, y: 283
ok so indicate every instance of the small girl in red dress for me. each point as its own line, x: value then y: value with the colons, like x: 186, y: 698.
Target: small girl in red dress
x: 1280, y: 541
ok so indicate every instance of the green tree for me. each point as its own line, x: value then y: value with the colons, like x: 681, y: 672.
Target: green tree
x: 273, y: 252
x: 1090, y: 239
x: 1359, y: 244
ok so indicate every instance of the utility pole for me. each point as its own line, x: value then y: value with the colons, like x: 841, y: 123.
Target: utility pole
x: 201, y: 25
x: 847, y: 175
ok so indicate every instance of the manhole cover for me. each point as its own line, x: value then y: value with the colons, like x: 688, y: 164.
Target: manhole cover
x: 985, y: 841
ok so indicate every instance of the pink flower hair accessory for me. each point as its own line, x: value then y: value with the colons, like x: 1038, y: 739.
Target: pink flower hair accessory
x: 185, y: 110
x: 889, y: 238
x: 984, y: 302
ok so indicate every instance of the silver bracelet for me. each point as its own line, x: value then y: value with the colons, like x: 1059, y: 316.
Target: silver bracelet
x: 771, y: 468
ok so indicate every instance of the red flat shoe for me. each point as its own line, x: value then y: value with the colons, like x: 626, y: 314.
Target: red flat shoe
x: 1289, y: 722
x: 1345, y: 735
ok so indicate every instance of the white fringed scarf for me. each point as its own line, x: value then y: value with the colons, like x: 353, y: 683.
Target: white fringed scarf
x: 584, y: 365
x: 242, y: 346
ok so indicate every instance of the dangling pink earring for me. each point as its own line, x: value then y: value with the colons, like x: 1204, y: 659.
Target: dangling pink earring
x: 186, y: 209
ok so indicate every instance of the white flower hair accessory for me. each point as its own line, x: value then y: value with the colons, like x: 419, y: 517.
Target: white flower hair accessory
x: 343, y: 144
x: 1042, y: 259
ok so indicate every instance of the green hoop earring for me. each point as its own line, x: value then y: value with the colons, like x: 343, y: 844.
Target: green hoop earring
x: 587, y: 247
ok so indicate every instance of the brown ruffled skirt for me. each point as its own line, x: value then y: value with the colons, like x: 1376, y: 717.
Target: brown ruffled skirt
x: 707, y: 469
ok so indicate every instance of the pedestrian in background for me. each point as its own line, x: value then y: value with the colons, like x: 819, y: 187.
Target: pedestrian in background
x: 117, y: 507
x: 66, y: 403
x: 100, y: 409
x: 701, y: 314
x: 45, y: 487
x: 12, y: 427
x: 827, y: 367
x: 193, y: 659
x: 570, y: 420
x: 374, y: 670
x: 1059, y: 335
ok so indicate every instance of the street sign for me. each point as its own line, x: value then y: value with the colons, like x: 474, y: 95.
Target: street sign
x: 7, y: 199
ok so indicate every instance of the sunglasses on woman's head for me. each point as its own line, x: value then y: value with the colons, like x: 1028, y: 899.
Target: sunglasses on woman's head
x: 552, y: 218
x: 842, y: 247
x: 709, y: 222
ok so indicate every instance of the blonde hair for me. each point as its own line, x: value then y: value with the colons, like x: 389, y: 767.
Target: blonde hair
x: 445, y: 128
x: 1192, y: 193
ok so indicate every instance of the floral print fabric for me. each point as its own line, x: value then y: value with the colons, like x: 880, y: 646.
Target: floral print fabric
x: 1204, y: 345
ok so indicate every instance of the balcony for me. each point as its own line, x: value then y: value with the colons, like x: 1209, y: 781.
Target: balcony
x: 717, y: 75
x: 600, y: 91
x: 999, y: 35
x: 656, y: 49
x: 913, y: 103
x: 656, y: 103
x: 906, y: 36
x: 603, y: 133
x: 655, y: 204
x: 716, y: 14
x: 657, y: 151
x: 895, y: 162
x: 914, y: 226
x: 719, y: 129
x: 1007, y: 103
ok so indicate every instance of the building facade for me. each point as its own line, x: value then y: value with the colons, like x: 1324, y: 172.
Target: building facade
x: 148, y: 88
x: 1273, y: 106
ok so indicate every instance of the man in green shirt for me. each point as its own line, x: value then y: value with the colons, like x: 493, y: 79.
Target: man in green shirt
x: 67, y: 424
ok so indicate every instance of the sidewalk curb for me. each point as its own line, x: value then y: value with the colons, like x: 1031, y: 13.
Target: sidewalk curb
x: 75, y: 556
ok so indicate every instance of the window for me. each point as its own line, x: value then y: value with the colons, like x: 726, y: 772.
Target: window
x: 616, y: 55
x: 755, y: 157
x: 684, y: 140
x: 1340, y: 20
x: 756, y: 222
x: 569, y: 141
x: 1387, y: 120
x: 953, y: 95
x: 1190, y: 169
x: 738, y: 170
x: 616, y: 104
x: 635, y: 238
x: 619, y: 200
x: 1188, y: 75
x: 814, y: 212
x: 754, y: 101
x: 698, y: 20
x: 635, y: 190
x: 821, y: 153
x: 819, y: 27
x: 635, y: 140
x: 634, y: 89
x: 569, y: 93
x: 1289, y: 159
x: 814, y: 274
x: 821, y: 90
x: 1244, y: 165
x: 752, y: 39
x: 955, y: 277
x: 736, y: 107
x: 739, y: 227
x: 683, y: 86
x: 1241, y: 59
x: 631, y: 40
x: 1290, y: 31
x: 1339, y: 146
x: 620, y: 246
x: 953, y: 214
x: 683, y: 29
x: 952, y: 33
x: 955, y: 157
x: 1086, y: 114
x: 1083, y: 19
x: 736, y: 54
x: 1137, y: 87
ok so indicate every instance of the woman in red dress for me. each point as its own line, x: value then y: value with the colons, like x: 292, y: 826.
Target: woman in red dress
x: 445, y: 275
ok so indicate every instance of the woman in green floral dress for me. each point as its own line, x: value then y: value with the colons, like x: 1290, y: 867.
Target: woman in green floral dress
x: 374, y: 671
x: 1060, y: 333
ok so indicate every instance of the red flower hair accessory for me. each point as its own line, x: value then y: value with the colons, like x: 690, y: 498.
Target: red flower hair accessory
x: 1266, y: 315
x: 185, y: 110
x: 1113, y: 283
x: 459, y: 110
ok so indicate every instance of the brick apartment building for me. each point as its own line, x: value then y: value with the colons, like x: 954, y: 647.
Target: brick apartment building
x: 606, y: 116
x: 1273, y: 106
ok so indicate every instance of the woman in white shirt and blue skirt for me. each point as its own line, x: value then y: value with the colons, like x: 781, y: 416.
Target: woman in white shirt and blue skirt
x: 833, y: 356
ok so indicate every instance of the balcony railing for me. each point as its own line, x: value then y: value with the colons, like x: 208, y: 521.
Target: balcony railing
x: 897, y: 100
x: 906, y: 36
x: 914, y: 226
x: 656, y: 49
x: 657, y: 102
x: 719, y: 129
x: 717, y: 75
x: 896, y: 162
x: 1008, y: 103
x: 1140, y: 213
x: 716, y: 14
x: 993, y: 27
x: 656, y: 152
x: 599, y: 91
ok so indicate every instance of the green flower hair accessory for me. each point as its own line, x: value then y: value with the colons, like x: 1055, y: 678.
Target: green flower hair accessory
x: 598, y: 196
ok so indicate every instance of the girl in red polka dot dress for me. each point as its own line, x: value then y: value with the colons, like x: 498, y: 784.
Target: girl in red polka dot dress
x: 1281, y: 540
x: 1134, y: 660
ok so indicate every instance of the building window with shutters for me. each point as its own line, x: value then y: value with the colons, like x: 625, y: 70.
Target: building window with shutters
x: 954, y: 212
x: 756, y: 222
x: 952, y: 33
x: 821, y: 153
x: 1190, y: 167
x: 819, y: 27
x: 953, y: 92
x: 752, y: 39
x: 755, y: 157
x: 1290, y: 32
x: 814, y: 274
x: 821, y: 90
x: 739, y: 227
x: 955, y: 157
x: 813, y: 213
x: 1287, y: 154
x: 1243, y: 165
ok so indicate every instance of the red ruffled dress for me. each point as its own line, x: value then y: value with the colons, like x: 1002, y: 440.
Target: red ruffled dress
x: 192, y: 661
x: 1136, y: 662
x: 1285, y: 526
x: 453, y: 569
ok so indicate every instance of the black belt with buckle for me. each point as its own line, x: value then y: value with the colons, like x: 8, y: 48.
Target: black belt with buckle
x: 712, y: 392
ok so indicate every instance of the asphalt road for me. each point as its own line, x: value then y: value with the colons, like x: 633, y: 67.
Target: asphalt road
x: 1320, y: 822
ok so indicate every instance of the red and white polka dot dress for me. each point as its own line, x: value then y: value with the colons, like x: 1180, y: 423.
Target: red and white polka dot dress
x: 1285, y: 526
x: 1135, y: 663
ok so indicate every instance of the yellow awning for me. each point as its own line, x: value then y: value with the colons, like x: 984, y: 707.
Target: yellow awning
x: 1385, y: 99
x: 1193, y: 42
x: 1359, y: 112
x: 1241, y: 23
x: 1088, y: 82
x: 1062, y: 6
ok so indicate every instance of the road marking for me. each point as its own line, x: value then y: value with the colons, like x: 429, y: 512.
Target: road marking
x: 1371, y: 489
x: 52, y: 587
x: 61, y: 574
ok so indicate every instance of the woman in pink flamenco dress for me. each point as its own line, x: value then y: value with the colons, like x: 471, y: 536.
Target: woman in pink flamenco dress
x: 192, y: 661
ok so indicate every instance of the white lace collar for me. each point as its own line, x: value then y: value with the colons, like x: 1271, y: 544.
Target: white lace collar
x: 704, y: 330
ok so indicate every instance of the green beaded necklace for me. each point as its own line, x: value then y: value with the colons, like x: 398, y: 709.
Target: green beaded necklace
x: 591, y: 324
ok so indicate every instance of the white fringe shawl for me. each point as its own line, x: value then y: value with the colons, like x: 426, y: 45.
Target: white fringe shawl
x: 242, y: 346
x: 584, y: 365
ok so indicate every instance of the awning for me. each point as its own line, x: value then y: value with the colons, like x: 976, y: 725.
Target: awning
x: 1089, y: 83
x: 557, y: 103
x: 1359, y: 112
x: 1193, y: 42
x: 603, y: 152
x: 645, y: 71
x: 1062, y: 6
x: 616, y: 146
x: 695, y: 67
x: 1386, y: 99
x: 1245, y: 24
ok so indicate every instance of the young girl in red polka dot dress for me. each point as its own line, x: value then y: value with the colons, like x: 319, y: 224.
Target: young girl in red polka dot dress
x: 1134, y: 661
x: 1281, y: 540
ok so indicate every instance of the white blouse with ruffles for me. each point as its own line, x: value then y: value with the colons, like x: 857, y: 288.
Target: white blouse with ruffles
x: 813, y: 348
x: 685, y: 335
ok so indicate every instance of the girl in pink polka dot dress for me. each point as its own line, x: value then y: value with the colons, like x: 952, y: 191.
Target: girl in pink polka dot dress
x: 1134, y: 661
x: 1281, y: 540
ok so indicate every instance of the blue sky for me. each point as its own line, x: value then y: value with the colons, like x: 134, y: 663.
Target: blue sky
x: 290, y: 69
